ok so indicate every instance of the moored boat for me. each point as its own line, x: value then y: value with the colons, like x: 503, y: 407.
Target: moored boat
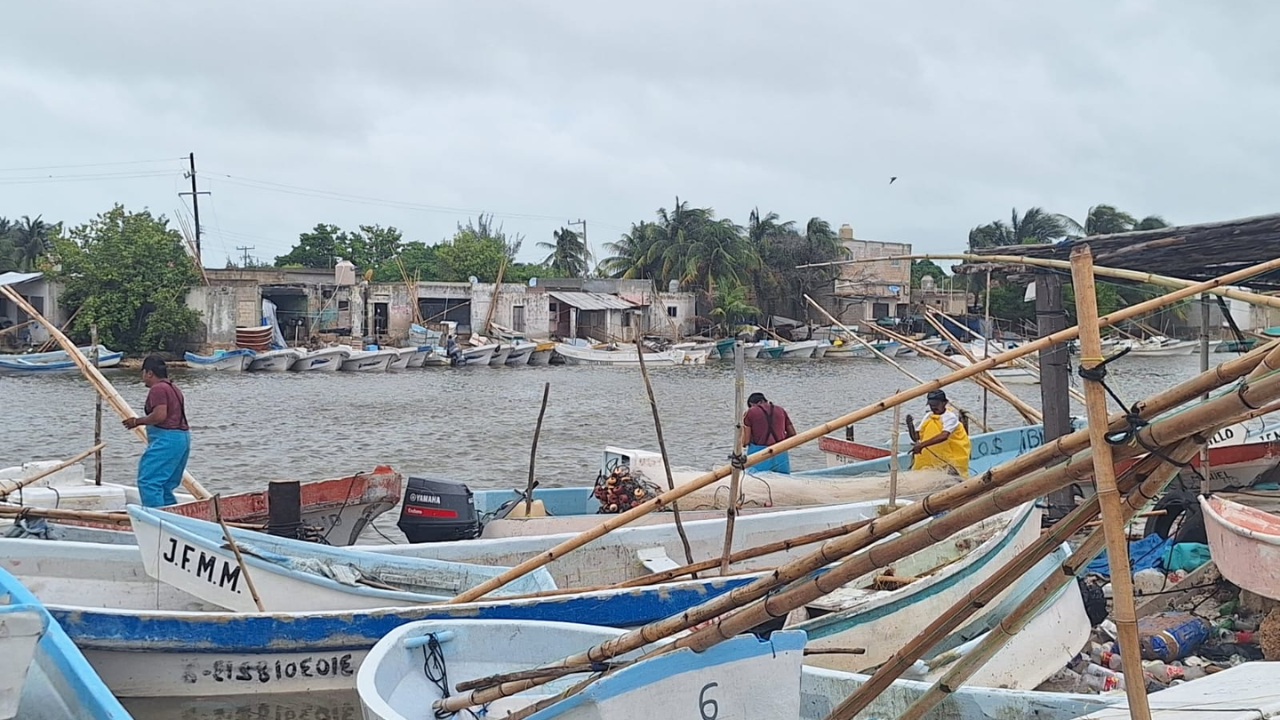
x: 369, y: 360
x: 799, y: 350
x: 626, y: 355
x: 521, y: 352
x: 327, y: 359
x: 402, y: 358
x: 221, y: 360
x: 55, y: 362
x: 500, y: 355
x: 752, y: 350
x: 1245, y: 544
x: 822, y: 349
x: 419, y: 356
x: 541, y: 353
x: 743, y: 677
x: 275, y: 360
x: 479, y: 355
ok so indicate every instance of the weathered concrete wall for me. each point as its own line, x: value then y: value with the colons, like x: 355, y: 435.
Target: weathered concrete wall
x: 660, y: 318
x: 534, y: 300
x: 224, y: 306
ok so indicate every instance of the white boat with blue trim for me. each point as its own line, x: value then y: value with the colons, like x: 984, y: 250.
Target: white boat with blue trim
x: 374, y: 361
x: 327, y: 359
x: 221, y: 360
x: 275, y: 360
x: 54, y: 362
x: 418, y: 664
x: 43, y: 676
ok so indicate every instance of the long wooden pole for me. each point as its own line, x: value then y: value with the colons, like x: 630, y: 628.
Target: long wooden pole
x: 1031, y: 605
x: 97, y: 409
x: 99, y: 382
x: 814, y: 433
x: 235, y: 549
x: 15, y: 328
x: 1105, y: 483
x: 1204, y: 366
x: 493, y: 301
x: 872, y: 348
x: 533, y: 451
x: 990, y: 493
x: 893, y: 457
x: 986, y: 343
x: 968, y: 355
x: 19, y: 484
x: 662, y: 448
x: 735, y: 480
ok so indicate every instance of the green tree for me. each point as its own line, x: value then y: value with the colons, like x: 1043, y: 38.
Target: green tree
x: 473, y: 251
x: 8, y: 251
x: 1032, y: 227
x: 419, y: 260
x: 1150, y: 222
x: 1108, y: 220
x: 630, y: 255
x: 318, y: 248
x: 569, y: 255
x: 920, y: 268
x: 30, y: 240
x: 372, y: 246
x: 730, y: 309
x: 129, y: 273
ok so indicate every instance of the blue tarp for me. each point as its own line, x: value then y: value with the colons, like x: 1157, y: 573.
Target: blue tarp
x: 1146, y: 553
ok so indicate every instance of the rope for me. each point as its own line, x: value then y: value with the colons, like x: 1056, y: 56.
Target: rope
x: 1241, y: 341
x: 1130, y: 435
x: 738, y: 461
x: 436, y: 670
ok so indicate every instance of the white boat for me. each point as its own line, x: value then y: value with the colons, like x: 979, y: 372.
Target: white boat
x: 799, y: 350
x: 500, y: 355
x: 402, y: 358
x: 43, y: 676
x: 480, y: 355
x: 744, y: 677
x: 54, y: 362
x: 436, y: 358
x: 541, y: 354
x: 339, y: 508
x: 1008, y: 373
x: 823, y: 348
x: 626, y: 355
x: 419, y: 356
x: 521, y: 352
x: 221, y: 360
x: 1244, y: 692
x: 369, y: 360
x: 328, y: 359
x: 1160, y: 347
x: 295, y: 576
x: 752, y: 350
x: 1245, y: 544
x: 275, y: 360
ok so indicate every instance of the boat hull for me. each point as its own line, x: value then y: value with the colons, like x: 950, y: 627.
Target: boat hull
x: 323, y: 360
x: 799, y: 350
x: 402, y: 358
x: 541, y: 355
x: 1245, y: 545
x: 500, y: 356
x: 574, y: 355
x: 274, y: 361
x: 374, y: 361
x: 233, y: 361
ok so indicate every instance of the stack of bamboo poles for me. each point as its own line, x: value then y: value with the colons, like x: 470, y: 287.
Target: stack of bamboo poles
x: 1002, y: 488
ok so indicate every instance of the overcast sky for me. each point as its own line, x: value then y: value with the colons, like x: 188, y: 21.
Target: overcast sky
x: 547, y: 111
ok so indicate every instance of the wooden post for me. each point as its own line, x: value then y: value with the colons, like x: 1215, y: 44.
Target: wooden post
x: 1104, y: 478
x: 235, y: 549
x: 1055, y: 403
x: 1204, y: 367
x: 735, y: 479
x: 284, y: 508
x: 533, y: 451
x: 662, y: 448
x: 97, y: 410
x: 893, y: 457
x: 99, y: 382
x: 986, y: 343
x: 493, y: 299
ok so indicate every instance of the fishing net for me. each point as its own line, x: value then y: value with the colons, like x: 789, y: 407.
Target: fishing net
x: 621, y: 489
x: 778, y: 490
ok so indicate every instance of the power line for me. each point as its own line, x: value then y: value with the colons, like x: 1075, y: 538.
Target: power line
x: 84, y: 165
x: 195, y: 201
x: 244, y: 254
x: 45, y: 179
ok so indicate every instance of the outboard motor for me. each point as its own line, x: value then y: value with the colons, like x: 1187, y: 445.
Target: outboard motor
x: 437, y: 510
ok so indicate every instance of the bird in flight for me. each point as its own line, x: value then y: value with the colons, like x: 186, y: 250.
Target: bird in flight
x: 895, y: 177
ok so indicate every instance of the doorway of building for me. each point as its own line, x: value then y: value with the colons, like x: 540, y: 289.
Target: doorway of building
x: 381, y: 315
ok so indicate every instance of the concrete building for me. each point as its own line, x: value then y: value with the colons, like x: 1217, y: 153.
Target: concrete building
x: 865, y: 292
x: 940, y: 295
x: 42, y: 293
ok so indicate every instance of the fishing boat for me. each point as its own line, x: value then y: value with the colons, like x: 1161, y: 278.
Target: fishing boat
x: 221, y: 360
x: 521, y: 352
x: 479, y: 355
x: 822, y: 349
x: 724, y: 347
x: 1009, y: 373
x: 275, y: 360
x: 1159, y: 346
x: 626, y: 355
x: 798, y: 350
x: 752, y: 350
x: 55, y: 362
x: 436, y: 358
x: 541, y: 354
x: 296, y: 576
x: 374, y: 361
x: 149, y: 639
x: 1245, y: 544
x: 328, y: 359
x: 985, y: 450
x: 402, y: 358
x: 339, y: 508
x: 743, y: 677
x: 43, y: 676
x: 1244, y: 692
x: 500, y: 355
x: 419, y: 354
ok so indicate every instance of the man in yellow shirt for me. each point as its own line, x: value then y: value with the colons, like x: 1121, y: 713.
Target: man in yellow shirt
x: 943, y: 442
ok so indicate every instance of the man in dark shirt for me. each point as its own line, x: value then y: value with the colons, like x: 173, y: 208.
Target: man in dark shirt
x: 168, y: 439
x: 762, y: 426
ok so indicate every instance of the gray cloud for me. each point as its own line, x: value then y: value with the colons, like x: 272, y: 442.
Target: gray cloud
x: 568, y: 109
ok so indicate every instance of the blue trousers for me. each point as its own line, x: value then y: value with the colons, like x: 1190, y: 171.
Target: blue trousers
x: 161, y: 465
x: 780, y: 463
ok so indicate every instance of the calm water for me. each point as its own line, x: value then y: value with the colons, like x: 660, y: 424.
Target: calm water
x: 470, y: 424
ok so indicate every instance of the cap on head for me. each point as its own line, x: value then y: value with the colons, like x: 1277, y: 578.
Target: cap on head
x: 755, y: 398
x: 155, y: 365
x: 936, y: 396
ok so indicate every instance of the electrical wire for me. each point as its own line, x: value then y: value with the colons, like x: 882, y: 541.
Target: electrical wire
x: 85, y: 165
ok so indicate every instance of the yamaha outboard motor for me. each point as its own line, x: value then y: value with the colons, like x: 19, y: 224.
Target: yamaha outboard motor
x: 436, y: 510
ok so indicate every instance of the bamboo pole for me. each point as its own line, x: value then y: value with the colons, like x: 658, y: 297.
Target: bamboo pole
x: 893, y: 457
x: 964, y: 350
x: 235, y: 549
x: 1118, y: 273
x: 1204, y: 365
x: 993, y: 492
x: 1113, y: 522
x: 983, y: 595
x: 97, y: 409
x: 493, y: 301
x: 44, y: 346
x: 735, y: 479
x: 99, y: 382
x: 872, y: 348
x: 533, y: 451
x: 15, y: 328
x: 983, y: 380
x: 986, y: 344
x: 662, y: 448
x: 19, y: 484
x: 1030, y: 606
x: 814, y: 433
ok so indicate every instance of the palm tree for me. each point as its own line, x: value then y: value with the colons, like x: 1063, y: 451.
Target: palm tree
x: 730, y: 308
x: 629, y: 257
x: 31, y: 241
x: 569, y: 254
x: 1035, y: 226
x: 715, y: 252
x: 8, y: 253
x: 1150, y: 222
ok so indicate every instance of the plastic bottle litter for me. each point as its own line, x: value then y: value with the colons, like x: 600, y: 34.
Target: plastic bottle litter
x: 1101, y: 679
x: 1170, y: 636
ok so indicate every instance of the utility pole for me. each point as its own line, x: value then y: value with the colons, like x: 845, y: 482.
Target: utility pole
x: 195, y: 203
x: 244, y: 255
x: 585, y: 244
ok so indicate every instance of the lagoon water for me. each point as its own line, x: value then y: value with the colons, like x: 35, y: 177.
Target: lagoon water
x: 470, y: 424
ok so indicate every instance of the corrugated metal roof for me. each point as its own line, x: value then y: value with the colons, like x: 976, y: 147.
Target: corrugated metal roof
x: 591, y: 301
x: 13, y: 278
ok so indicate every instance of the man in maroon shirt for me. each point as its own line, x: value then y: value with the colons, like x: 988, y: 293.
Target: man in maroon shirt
x: 168, y: 439
x: 762, y: 426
